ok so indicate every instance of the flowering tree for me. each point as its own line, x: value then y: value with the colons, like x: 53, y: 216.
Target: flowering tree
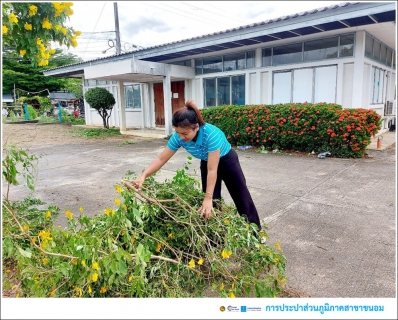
x: 30, y: 28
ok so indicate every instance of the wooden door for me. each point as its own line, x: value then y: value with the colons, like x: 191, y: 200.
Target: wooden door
x: 177, y: 100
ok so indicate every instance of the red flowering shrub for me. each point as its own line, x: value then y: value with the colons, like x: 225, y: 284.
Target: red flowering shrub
x: 303, y: 127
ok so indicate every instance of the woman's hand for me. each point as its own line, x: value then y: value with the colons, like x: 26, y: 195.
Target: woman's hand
x: 139, y: 182
x: 207, y: 208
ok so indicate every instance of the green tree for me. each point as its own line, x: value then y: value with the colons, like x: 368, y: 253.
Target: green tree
x: 29, y: 29
x: 30, y: 78
x: 101, y: 100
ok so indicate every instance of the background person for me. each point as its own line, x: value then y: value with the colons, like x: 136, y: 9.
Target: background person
x: 219, y: 162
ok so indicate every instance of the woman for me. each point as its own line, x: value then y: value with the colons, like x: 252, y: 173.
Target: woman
x: 219, y: 162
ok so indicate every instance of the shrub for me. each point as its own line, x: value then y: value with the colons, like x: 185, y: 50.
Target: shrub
x: 302, y: 127
x: 101, y: 100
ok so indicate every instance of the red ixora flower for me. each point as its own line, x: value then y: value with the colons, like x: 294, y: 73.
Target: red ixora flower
x: 313, y: 128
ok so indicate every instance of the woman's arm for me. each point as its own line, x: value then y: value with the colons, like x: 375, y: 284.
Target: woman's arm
x: 212, y: 165
x: 154, y: 166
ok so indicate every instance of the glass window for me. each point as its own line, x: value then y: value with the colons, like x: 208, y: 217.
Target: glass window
x: 210, y: 92
x: 389, y: 57
x: 91, y: 83
x: 198, y: 66
x: 376, y: 50
x: 223, y: 91
x: 101, y: 82
x: 238, y: 90
x: 132, y: 94
x: 234, y: 61
x: 212, y: 64
x: 393, y: 59
x: 250, y: 59
x: 321, y: 49
x: 369, y: 47
x: 266, y: 56
x: 291, y: 53
x: 383, y: 54
x: 347, y: 45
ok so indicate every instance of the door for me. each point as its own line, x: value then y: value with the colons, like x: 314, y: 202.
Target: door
x: 177, y: 100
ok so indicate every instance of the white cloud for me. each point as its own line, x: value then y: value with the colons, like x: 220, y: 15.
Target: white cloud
x: 150, y: 23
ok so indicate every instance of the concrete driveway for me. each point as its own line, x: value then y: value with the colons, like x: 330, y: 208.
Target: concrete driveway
x: 335, y: 218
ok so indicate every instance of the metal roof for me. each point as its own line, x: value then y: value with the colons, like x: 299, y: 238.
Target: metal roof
x: 344, y: 17
x: 62, y: 96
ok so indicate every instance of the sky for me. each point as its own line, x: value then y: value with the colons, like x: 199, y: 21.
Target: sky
x: 149, y: 23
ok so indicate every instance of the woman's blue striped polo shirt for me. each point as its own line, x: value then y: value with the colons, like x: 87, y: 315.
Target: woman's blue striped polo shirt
x: 210, y: 139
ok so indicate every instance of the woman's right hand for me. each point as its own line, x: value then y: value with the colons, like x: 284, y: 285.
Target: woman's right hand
x: 139, y: 182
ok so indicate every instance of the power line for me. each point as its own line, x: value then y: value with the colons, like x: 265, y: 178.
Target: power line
x: 95, y: 25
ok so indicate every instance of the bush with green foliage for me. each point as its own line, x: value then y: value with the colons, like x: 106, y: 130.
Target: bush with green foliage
x: 152, y: 243
x: 302, y: 127
x: 101, y: 100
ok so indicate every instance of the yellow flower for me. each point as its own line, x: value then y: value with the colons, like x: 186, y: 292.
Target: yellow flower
x: 130, y: 278
x: 52, y: 51
x: 124, y: 207
x: 278, y: 245
x: 25, y: 228
x: 28, y: 26
x: 68, y: 11
x: 43, y: 245
x: 171, y: 236
x: 34, y: 239
x: 94, y: 277
x: 103, y: 290
x: 45, y: 261
x: 95, y: 266
x: 226, y: 221
x: 78, y: 33
x: 79, y: 292
x: 133, y: 239
x: 225, y: 254
x: 118, y: 188
x: 158, y: 247
x: 32, y: 10
x: 191, y: 264
x: 64, y: 31
x: 57, y: 27
x: 117, y: 201
x: 89, y: 289
x: 276, y: 260
x: 12, y: 18
x: 48, y: 214
x: 5, y: 29
x: 200, y: 262
x: 247, y: 227
x: 109, y: 212
x: 39, y: 41
x: 22, y: 52
x: 222, y: 286
x: 69, y: 214
x: 46, y: 24
x: 45, y: 235
x: 74, y: 261
x: 52, y: 293
x: 231, y: 294
x: 83, y: 263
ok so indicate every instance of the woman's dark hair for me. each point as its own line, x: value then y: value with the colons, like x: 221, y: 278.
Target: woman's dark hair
x: 187, y: 116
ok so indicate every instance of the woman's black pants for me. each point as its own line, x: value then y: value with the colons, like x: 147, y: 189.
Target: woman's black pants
x: 230, y: 171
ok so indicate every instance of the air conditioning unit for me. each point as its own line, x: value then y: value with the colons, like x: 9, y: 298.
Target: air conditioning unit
x: 390, y: 108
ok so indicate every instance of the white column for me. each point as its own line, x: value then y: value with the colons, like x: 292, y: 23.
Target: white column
x: 167, y: 101
x: 121, y: 106
x: 340, y: 83
x: 358, y: 69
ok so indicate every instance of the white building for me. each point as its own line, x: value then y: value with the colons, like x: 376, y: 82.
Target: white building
x: 344, y: 54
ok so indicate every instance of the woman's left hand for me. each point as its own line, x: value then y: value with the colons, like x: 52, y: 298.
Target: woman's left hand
x: 207, y: 208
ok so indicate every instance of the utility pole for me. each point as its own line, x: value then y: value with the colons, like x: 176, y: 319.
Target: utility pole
x: 118, y: 46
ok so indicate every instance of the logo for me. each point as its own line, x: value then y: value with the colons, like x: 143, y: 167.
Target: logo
x: 233, y: 309
x: 222, y: 308
x: 243, y: 309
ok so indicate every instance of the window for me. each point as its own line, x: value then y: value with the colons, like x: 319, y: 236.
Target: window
x: 212, y: 64
x: 250, y: 59
x: 198, y: 66
x: 376, y: 50
x: 369, y: 46
x: 347, y: 45
x: 132, y: 94
x: 291, y: 53
x: 90, y: 83
x: 321, y: 49
x: 389, y: 57
x: 234, y: 61
x: 102, y: 82
x: 224, y: 91
x: 266, y: 57
x: 383, y: 54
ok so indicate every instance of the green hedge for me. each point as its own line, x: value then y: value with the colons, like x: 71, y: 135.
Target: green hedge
x: 302, y: 127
